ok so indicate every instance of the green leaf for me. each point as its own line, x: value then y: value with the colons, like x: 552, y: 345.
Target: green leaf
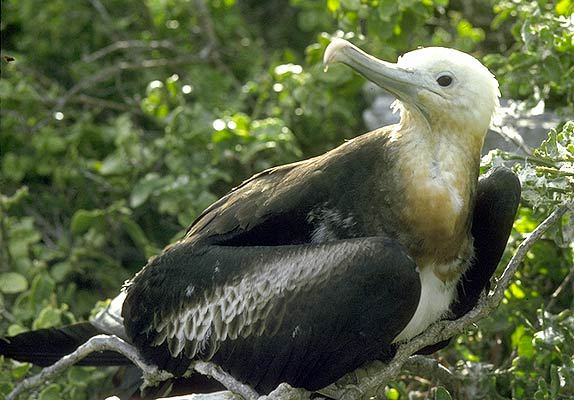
x: 564, y: 7
x: 60, y: 270
x: 442, y: 394
x: 12, y: 282
x: 333, y: 5
x: 138, y: 236
x: 42, y: 288
x: 148, y: 185
x: 554, y: 381
x: 47, y: 318
x: 85, y: 219
x: 516, y: 291
x: 80, y: 374
x: 517, y: 334
x: 525, y: 347
x: 392, y: 394
x: 19, y: 370
x: 15, y: 329
x: 52, y: 392
x: 79, y: 392
x: 553, y: 68
x: 5, y: 388
x: 23, y: 234
x: 115, y: 164
x: 351, y: 4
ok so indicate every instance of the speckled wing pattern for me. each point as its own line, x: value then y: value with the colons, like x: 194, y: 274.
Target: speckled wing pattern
x: 277, y: 302
x: 252, y: 304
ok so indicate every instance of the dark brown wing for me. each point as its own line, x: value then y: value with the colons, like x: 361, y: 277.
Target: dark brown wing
x: 248, y: 203
x: 284, y: 205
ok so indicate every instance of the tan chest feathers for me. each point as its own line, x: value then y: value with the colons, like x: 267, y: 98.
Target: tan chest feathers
x: 436, y: 209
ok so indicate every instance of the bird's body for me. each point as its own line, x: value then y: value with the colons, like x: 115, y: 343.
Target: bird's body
x: 306, y: 271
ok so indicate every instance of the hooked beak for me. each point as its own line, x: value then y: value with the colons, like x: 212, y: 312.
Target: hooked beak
x: 402, y: 83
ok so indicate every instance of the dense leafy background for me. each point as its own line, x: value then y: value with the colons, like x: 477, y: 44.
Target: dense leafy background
x: 122, y: 120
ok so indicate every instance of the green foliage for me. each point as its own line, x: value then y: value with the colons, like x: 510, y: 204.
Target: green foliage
x: 531, y: 355
x: 548, y: 178
x: 122, y: 120
x: 540, y: 65
x: 442, y: 394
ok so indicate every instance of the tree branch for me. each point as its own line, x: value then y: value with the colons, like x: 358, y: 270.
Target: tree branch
x: 210, y: 369
x: 429, y: 367
x: 152, y: 375
x: 207, y: 25
x: 224, y: 395
x: 560, y: 288
x: 212, y: 47
x: 349, y: 387
x: 106, y: 17
x: 127, y: 44
x: 110, y: 72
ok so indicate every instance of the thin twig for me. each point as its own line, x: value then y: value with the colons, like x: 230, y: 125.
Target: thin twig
x: 110, y: 72
x: 230, y: 383
x: 223, y: 395
x: 560, y: 288
x: 506, y: 277
x: 113, y: 105
x: 212, y: 48
x: 511, y: 134
x: 206, y: 23
x: 127, y: 44
x: 106, y: 17
x: 152, y: 375
x: 433, y: 370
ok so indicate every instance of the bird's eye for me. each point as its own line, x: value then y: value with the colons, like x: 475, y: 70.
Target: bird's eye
x: 444, y: 80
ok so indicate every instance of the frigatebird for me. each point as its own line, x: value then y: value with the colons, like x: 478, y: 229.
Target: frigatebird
x: 306, y: 271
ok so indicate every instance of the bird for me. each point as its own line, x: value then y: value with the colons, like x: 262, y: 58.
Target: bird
x: 307, y: 271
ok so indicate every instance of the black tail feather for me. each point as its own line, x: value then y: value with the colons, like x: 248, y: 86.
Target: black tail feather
x: 44, y: 347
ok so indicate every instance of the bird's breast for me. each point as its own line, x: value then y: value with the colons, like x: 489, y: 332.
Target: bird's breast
x: 434, y: 205
x: 437, y: 191
x: 436, y: 296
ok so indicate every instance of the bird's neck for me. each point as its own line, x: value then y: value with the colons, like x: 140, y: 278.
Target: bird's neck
x: 439, y: 167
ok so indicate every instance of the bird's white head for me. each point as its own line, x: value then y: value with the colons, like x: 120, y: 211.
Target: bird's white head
x: 445, y: 86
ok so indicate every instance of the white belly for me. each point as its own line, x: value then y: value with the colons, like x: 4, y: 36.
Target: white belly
x: 435, y: 299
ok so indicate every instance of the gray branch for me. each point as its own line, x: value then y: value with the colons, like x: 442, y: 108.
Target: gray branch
x: 210, y: 369
x: 127, y: 44
x: 109, y: 72
x: 152, y: 375
x: 352, y: 386
x: 106, y: 17
x: 224, y: 395
x: 430, y: 368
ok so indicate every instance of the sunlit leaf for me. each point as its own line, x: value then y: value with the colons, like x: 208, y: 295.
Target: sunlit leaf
x: 12, y: 282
